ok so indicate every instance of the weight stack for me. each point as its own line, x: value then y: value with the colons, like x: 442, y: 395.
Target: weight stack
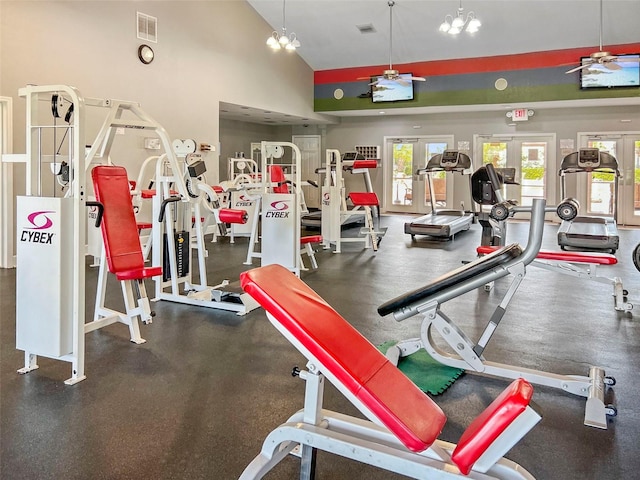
x: 181, y: 240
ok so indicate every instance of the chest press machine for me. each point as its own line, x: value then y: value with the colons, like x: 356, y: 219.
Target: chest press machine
x: 403, y: 423
x: 512, y: 261
x: 55, y: 326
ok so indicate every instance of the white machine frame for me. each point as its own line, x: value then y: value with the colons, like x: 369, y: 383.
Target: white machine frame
x: 334, y: 206
x: 278, y: 214
x: 224, y: 296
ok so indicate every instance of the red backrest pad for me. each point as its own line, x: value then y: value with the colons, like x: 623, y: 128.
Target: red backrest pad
x: 119, y: 229
x: 399, y: 405
x: 276, y: 175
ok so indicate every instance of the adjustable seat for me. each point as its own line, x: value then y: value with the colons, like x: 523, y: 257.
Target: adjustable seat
x: 401, y: 435
x: 123, y: 252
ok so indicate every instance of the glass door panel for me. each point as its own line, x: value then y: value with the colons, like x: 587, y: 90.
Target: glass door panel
x: 402, y: 174
x: 532, y: 160
x: 439, y: 179
x: 600, y: 185
x: 404, y: 190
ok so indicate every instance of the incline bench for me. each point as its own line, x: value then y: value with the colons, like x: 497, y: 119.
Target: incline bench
x: 401, y: 435
x: 464, y: 353
x: 580, y: 265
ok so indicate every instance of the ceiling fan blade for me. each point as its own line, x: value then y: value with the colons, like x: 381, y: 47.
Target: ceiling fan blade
x: 579, y: 68
x: 365, y: 78
x: 611, y: 65
x: 627, y: 59
x: 419, y: 79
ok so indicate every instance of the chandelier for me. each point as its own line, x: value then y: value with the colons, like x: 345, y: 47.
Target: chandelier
x: 282, y: 40
x: 461, y: 22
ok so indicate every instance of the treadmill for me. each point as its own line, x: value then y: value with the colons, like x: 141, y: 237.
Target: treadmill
x: 590, y: 232
x: 443, y: 223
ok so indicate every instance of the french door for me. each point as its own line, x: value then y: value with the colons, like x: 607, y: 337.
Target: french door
x: 404, y: 191
x: 596, y: 191
x: 532, y: 158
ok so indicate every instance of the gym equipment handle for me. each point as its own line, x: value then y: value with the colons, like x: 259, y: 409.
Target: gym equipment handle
x: 100, y: 211
x: 495, y: 181
x: 165, y: 202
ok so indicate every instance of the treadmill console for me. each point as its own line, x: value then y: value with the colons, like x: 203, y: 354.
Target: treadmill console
x: 449, y: 158
x: 589, y: 158
x: 351, y: 156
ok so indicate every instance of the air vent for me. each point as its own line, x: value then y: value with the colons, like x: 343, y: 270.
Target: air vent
x: 147, y: 27
x: 368, y: 28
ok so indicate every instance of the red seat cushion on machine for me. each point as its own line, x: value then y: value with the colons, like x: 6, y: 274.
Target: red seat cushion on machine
x: 119, y: 228
x: 397, y: 402
x: 365, y: 164
x: 364, y: 199
x: 276, y: 174
x: 310, y: 239
x: 572, y: 257
x: 491, y: 423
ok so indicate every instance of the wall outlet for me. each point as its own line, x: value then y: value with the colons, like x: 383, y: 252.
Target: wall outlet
x: 152, y: 143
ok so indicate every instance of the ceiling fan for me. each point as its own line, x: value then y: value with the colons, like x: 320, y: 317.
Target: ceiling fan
x: 391, y: 74
x: 606, y: 59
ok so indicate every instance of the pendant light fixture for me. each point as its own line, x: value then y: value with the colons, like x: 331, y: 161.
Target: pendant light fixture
x: 278, y: 41
x: 454, y: 25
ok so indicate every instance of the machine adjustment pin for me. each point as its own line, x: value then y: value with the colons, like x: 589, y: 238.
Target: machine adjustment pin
x: 295, y: 372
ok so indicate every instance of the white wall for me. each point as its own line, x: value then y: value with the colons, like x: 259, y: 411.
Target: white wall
x: 207, y: 52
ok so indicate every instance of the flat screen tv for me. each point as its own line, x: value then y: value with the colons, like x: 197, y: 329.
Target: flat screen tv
x: 599, y: 76
x: 396, y: 90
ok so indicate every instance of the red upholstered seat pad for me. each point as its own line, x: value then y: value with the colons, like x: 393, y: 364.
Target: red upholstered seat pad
x: 572, y: 257
x: 364, y: 199
x: 491, y: 423
x: 139, y: 274
x: 365, y: 164
x: 399, y: 405
x: 311, y: 239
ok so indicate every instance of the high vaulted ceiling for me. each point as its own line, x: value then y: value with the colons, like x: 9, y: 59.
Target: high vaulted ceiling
x: 330, y: 38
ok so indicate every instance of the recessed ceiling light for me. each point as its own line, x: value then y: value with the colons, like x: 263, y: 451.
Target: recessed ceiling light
x: 381, y: 113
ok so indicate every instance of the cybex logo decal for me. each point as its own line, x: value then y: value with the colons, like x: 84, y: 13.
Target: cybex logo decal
x: 279, y: 207
x: 326, y: 198
x: 93, y: 212
x: 40, y: 221
x: 244, y: 201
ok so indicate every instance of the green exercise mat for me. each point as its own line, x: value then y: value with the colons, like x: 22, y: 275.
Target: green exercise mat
x: 430, y: 376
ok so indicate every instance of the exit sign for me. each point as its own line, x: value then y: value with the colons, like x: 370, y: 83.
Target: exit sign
x: 520, y: 114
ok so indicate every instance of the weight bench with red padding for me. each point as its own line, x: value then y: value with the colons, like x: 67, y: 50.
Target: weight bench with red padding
x: 579, y: 265
x: 123, y: 252
x: 404, y: 423
x: 366, y: 200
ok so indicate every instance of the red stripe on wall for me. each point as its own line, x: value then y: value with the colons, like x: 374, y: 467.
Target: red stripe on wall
x: 522, y: 61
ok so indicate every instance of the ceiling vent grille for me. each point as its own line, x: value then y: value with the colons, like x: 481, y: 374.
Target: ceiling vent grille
x: 147, y: 27
x: 368, y: 28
